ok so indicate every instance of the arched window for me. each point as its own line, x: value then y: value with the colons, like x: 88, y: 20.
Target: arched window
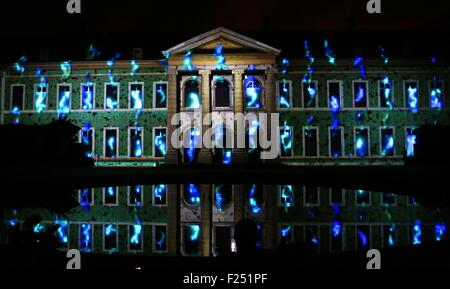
x: 253, y: 92
x: 222, y: 93
x: 191, y: 94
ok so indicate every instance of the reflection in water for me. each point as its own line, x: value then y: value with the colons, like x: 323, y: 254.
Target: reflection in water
x: 137, y: 219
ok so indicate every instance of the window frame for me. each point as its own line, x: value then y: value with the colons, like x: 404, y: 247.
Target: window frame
x: 341, y: 92
x: 130, y: 128
x: 117, y: 141
x: 93, y: 96
x: 11, y: 96
x: 290, y: 92
x: 367, y: 106
x: 117, y: 197
x: 317, y: 141
x: 405, y: 98
x: 155, y: 83
x: 214, y: 80
x: 394, y: 149
x: 368, y: 141
x: 117, y: 84
x: 153, y: 140
x: 392, y: 94
x: 117, y: 237
x: 129, y: 94
x: 341, y: 128
x: 316, y: 82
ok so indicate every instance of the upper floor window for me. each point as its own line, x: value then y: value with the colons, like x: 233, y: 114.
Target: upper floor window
x: 385, y: 93
x: 253, y: 92
x: 309, y: 94
x: 87, y: 96
x: 111, y: 142
x: 436, y: 93
x: 360, y: 93
x: 159, y: 141
x: 17, y: 97
x: 336, y: 139
x: 411, y: 94
x: 64, y: 96
x: 284, y: 92
x: 160, y: 94
x: 362, y: 142
x: 191, y: 94
x: 222, y: 92
x: 40, y: 97
x: 136, y: 95
x: 112, y: 91
x: 87, y: 140
x: 335, y: 95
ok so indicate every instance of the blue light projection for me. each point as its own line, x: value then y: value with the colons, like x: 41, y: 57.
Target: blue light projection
x: 361, y: 148
x: 86, y: 237
x: 439, y: 231
x: 391, y: 237
x: 359, y: 62
x: 161, y: 94
x: 194, y: 232
x: 194, y: 141
x: 85, y: 197
x: 87, y: 138
x: 64, y: 94
x: 38, y: 228
x: 112, y: 90
x: 387, y: 142
x: 310, y: 93
x: 284, y: 93
x: 336, y: 229
x: 110, y: 229
x: 18, y: 66
x: 12, y: 222
x: 160, y: 192
x: 329, y: 54
x: 63, y: 231
x: 413, y: 99
x: 160, y: 143
x: 252, y: 92
x: 334, y: 104
x: 410, y: 142
x: 192, y: 195
x: 66, y: 68
x: 112, y: 145
x: 362, y: 238
x: 136, y: 96
x: 259, y: 242
x: 220, y: 59
x: 285, y: 231
x: 136, y: 233
x: 136, y: 195
x: 187, y: 61
x: 383, y: 56
x: 286, y: 140
x: 136, y: 142
x: 254, y: 206
x: 40, y: 98
x: 227, y: 156
x: 134, y: 67
x: 417, y: 233
x: 307, y: 78
x: 92, y: 52
x: 435, y: 94
x: 160, y: 238
x: 110, y: 63
x: 386, y: 90
x: 87, y: 96
x: 287, y: 196
x: 218, y: 197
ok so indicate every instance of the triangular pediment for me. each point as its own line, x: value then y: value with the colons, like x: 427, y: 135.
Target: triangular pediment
x: 229, y: 40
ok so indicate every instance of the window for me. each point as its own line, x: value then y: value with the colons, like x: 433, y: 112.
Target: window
x: 411, y: 94
x: 335, y: 95
x: 412, y: 201
x: 136, y: 95
x: 87, y: 140
x: 416, y: 233
x: 191, y: 239
x: 17, y: 97
x: 40, y: 97
x: 362, y: 237
x: 86, y: 235
x: 191, y: 144
x: 309, y: 94
x: 388, y: 199
x: 389, y: 236
x: 362, y: 197
x: 360, y: 94
x: 286, y: 196
x: 222, y: 197
x: 87, y: 96
x: 253, y: 92
x: 310, y: 142
x: 336, y: 145
x: 284, y: 92
x: 312, y: 236
x: 410, y: 141
x: 112, y: 92
x: 64, y: 95
x: 286, y: 139
x: 387, y: 142
x: 160, y: 238
x: 192, y: 194
x: 110, y: 238
x: 135, y: 195
x: 222, y: 240
x: 222, y: 92
x: 285, y: 234
x: 110, y: 196
x: 159, y: 141
x: 255, y: 198
x: 337, y: 197
x: 86, y: 197
x: 62, y: 233
x: 385, y: 93
x: 135, y: 142
x: 191, y: 94
x: 436, y: 94
x: 362, y: 142
x: 160, y: 94
x: 311, y: 196
x: 135, y: 237
x: 336, y: 237
x: 111, y: 142
x: 159, y: 195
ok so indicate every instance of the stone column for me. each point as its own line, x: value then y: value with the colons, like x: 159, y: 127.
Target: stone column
x: 205, y: 154
x: 173, y: 220
x: 172, y: 156
x: 206, y: 220
x: 270, y: 105
x: 239, y: 155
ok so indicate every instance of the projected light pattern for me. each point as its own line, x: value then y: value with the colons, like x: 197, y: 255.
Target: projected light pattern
x: 110, y: 229
x: 160, y: 143
x: 134, y: 67
x: 136, y: 233
x: 194, y: 232
x: 63, y: 101
x: 254, y: 206
x: 311, y: 92
x: 136, y: 141
x: 110, y: 63
x: 307, y: 78
x: 334, y: 104
x: 252, y: 92
x: 286, y: 140
x: 219, y: 198
x: 336, y: 229
x: 220, y: 58
x: 194, y: 142
x: 383, y: 55
x: 391, y: 239
x: 388, y: 144
x: 359, y: 62
x: 161, y: 92
x: 194, y: 100
x: 63, y: 231
x: 439, y: 231
x: 87, y: 138
x: 387, y: 92
x: 192, y: 196
x: 435, y: 94
x: 287, y: 196
x: 284, y: 93
x: 187, y: 61
x: 362, y: 238
x: 66, y: 68
x: 112, y: 98
x: 410, y: 142
x: 417, y: 233
x: 160, y: 192
x: 360, y: 95
x: 38, y: 228
x: 92, y: 52
x: 85, y: 195
x: 413, y: 100
x: 160, y: 241
x: 111, y: 191
x: 360, y: 146
x: 86, y: 237
x: 227, y: 156
x: 136, y: 97
x: 40, y: 101
x: 285, y: 231
x: 18, y: 66
x: 136, y: 195
x: 87, y: 96
x: 329, y: 54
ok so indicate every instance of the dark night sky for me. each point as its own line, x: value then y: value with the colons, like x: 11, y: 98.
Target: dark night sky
x: 28, y: 25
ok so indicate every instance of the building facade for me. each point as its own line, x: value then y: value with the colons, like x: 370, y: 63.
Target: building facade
x: 339, y: 112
